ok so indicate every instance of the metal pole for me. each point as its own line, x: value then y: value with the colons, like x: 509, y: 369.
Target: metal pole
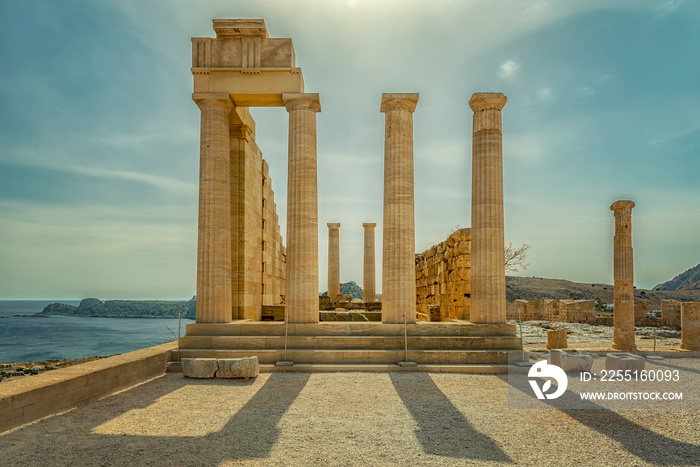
x: 285, y: 362
x: 179, y: 320
x: 405, y: 337
x: 522, y: 344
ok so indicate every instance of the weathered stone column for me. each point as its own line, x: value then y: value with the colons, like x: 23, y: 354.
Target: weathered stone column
x: 690, y: 326
x: 623, y: 275
x: 488, y: 273
x: 333, y: 261
x: 369, y: 290
x: 302, y: 209
x: 399, y: 236
x: 214, y: 227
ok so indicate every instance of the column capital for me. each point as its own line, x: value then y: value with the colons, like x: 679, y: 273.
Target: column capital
x: 399, y: 101
x: 487, y: 101
x: 240, y: 131
x: 213, y: 98
x: 333, y: 225
x: 622, y: 204
x: 369, y: 224
x: 299, y: 100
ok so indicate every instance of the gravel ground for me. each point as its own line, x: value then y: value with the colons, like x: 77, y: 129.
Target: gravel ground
x: 353, y: 419
x: 591, y: 337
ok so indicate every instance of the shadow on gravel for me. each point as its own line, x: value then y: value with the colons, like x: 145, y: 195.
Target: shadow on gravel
x: 253, y: 431
x: 637, y: 440
x: 443, y: 430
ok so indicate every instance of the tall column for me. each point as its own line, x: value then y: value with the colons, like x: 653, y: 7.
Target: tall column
x: 488, y: 273
x: 302, y: 209
x: 623, y: 275
x: 333, y: 261
x: 369, y: 291
x: 399, y: 236
x: 214, y: 228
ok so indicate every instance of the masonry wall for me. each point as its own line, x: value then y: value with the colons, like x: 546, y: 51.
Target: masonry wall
x: 555, y: 310
x: 671, y: 312
x: 443, y: 284
x: 257, y: 254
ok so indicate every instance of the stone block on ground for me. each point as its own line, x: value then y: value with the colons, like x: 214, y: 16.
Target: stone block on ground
x: 199, y: 367
x: 245, y: 367
x: 624, y: 361
x: 556, y: 339
x: 571, y: 362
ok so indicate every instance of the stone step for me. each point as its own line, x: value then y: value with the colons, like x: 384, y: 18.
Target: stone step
x: 257, y: 328
x: 476, y: 368
x: 364, y: 356
x: 350, y: 342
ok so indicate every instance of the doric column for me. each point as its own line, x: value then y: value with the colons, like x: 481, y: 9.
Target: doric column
x: 623, y: 275
x: 399, y: 236
x: 488, y: 273
x: 333, y: 261
x: 214, y: 228
x: 302, y: 209
x: 369, y: 291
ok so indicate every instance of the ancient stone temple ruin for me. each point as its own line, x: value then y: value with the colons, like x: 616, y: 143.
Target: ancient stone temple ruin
x: 242, y: 265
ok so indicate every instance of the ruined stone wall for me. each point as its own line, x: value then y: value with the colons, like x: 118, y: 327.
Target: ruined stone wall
x: 257, y: 253
x: 555, y: 310
x: 671, y: 312
x: 274, y: 253
x: 443, y: 278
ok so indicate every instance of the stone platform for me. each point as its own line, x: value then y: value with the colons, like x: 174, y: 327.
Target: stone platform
x: 354, y: 343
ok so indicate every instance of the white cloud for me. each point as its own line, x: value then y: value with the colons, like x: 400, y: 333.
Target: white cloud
x: 545, y: 94
x: 508, y: 69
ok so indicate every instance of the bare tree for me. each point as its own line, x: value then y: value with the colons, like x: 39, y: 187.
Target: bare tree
x: 515, y: 257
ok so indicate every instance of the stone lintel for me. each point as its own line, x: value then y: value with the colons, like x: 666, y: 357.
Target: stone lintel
x: 487, y: 101
x: 333, y: 225
x: 405, y: 101
x: 261, y: 87
x: 229, y: 28
x: 297, y: 100
x: 622, y: 204
x: 369, y: 224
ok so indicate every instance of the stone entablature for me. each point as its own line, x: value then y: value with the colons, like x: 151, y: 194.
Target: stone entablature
x: 243, y: 61
x: 443, y: 277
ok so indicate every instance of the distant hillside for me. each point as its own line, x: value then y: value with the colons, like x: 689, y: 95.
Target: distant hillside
x: 348, y: 288
x: 123, y: 308
x: 533, y: 288
x: 688, y: 280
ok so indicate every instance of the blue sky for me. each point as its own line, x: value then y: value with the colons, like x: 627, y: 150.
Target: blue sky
x: 99, y: 136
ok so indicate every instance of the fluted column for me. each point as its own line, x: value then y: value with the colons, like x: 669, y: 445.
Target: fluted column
x: 369, y: 291
x: 214, y: 227
x: 399, y: 236
x: 333, y: 261
x: 488, y: 273
x: 623, y: 275
x: 302, y: 209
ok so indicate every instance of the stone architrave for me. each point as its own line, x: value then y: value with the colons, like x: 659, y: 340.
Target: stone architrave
x: 623, y: 276
x: 690, y: 326
x: 488, y: 274
x: 333, y: 261
x: 369, y: 291
x: 214, y: 228
x: 302, y: 209
x: 399, y: 239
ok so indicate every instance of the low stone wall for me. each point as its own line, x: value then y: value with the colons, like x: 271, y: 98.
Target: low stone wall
x: 555, y: 310
x: 443, y: 278
x: 33, y: 397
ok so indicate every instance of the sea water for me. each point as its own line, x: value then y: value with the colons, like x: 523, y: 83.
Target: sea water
x: 68, y: 337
